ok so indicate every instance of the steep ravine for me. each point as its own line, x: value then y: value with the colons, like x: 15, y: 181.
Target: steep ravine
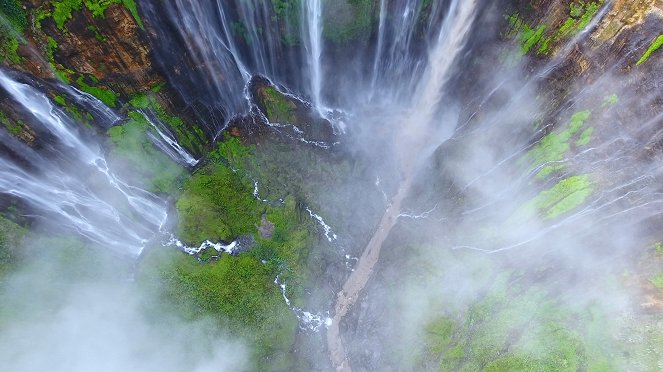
x: 446, y: 185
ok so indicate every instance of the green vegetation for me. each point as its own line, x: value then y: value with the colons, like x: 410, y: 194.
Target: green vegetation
x: 157, y: 87
x: 84, y: 118
x: 14, y: 128
x: 239, y: 292
x: 528, y: 36
x: 64, y: 74
x: 658, y: 247
x: 610, y: 100
x: 13, y: 12
x: 542, y: 37
x: 95, y: 31
x: 657, y: 281
x: 506, y: 331
x: 548, y: 170
x: 284, y: 7
x: 339, y: 29
x: 580, y: 15
x: 62, y: 10
x: 140, y: 157
x: 279, y: 108
x: 11, y: 237
x: 655, y: 45
x: 13, y: 22
x: 133, y: 9
x: 585, y: 137
x: 98, y: 8
x: 565, y: 196
x: 553, y: 147
x: 191, y: 138
x: 107, y: 96
x: 286, y: 12
x: 239, y: 29
x: 217, y: 204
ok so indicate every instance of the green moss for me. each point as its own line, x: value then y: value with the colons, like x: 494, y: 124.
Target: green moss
x: 507, y: 330
x: 653, y: 47
x: 238, y: 292
x: 60, y: 100
x: 562, y: 198
x: 62, y: 10
x: 590, y: 11
x: 140, y: 101
x: 358, y: 26
x: 216, y: 204
x: 40, y: 14
x: 190, y: 137
x: 554, y: 146
x: 232, y: 150
x: 440, y: 334
x: 13, y: 22
x: 95, y: 31
x: 610, y: 100
x: 140, y: 157
x: 107, y: 96
x: 133, y: 9
x: 581, y: 14
x: 51, y: 47
x: 12, y: 11
x: 279, y: 108
x: 657, y: 281
x: 577, y: 121
x: 548, y: 170
x: 11, y: 238
x: 157, y: 87
x: 14, y: 128
x: 514, y: 363
x: 98, y: 7
x: 585, y: 137
x: 658, y: 247
x: 528, y: 36
x: 531, y: 37
x: 81, y: 117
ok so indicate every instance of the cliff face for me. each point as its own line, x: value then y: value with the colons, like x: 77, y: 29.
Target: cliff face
x: 102, y: 49
x: 108, y: 45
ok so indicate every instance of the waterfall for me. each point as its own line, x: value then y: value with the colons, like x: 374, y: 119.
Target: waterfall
x: 167, y: 142
x: 378, y: 50
x: 93, y: 104
x: 312, y: 18
x: 416, y: 139
x: 291, y: 44
x: 70, y: 182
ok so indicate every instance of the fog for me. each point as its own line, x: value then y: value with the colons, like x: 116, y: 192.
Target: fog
x: 505, y: 209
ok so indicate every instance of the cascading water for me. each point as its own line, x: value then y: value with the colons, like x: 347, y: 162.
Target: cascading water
x: 312, y: 11
x: 398, y: 72
x: 416, y: 143
x: 71, y: 183
x: 231, y: 41
x: 165, y: 141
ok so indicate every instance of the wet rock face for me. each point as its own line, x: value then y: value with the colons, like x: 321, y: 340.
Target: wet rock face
x: 119, y: 55
x: 282, y: 109
x: 109, y: 46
